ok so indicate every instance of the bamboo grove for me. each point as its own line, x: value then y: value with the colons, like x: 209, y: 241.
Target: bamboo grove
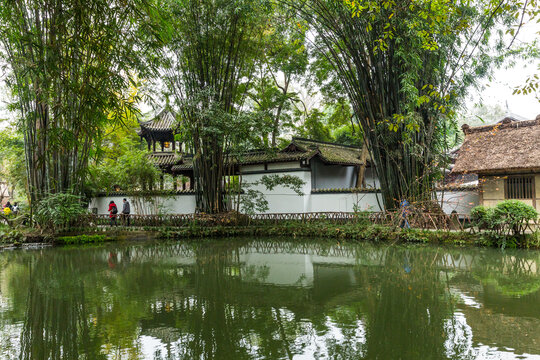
x: 406, y: 66
x: 70, y: 65
x: 402, y: 67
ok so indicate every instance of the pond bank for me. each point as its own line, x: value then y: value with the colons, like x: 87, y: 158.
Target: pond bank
x: 373, y: 233
x: 340, y: 232
x: 344, y: 232
x: 30, y: 238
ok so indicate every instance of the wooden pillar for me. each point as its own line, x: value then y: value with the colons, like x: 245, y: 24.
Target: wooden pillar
x: 161, y: 182
x: 174, y: 145
x: 154, y: 145
x: 175, y: 182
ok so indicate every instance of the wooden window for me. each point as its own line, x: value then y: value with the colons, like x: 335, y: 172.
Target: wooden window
x: 519, y: 187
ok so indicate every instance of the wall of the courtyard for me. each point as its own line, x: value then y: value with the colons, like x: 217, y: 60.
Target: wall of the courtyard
x: 458, y: 201
x: 178, y: 204
x: 284, y: 202
x: 492, y: 191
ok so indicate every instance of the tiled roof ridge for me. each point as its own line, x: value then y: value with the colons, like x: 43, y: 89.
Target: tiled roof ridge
x: 507, y: 123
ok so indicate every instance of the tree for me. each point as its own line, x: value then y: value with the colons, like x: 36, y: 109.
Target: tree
x: 281, y: 66
x: 211, y: 47
x: 70, y: 63
x: 405, y: 66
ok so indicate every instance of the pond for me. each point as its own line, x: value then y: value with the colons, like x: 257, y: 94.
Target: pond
x: 262, y: 299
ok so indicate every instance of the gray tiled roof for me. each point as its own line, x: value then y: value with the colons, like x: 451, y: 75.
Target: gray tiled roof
x: 165, y: 158
x: 163, y: 122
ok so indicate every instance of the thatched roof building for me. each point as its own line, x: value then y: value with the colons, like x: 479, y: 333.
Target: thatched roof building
x: 504, y: 148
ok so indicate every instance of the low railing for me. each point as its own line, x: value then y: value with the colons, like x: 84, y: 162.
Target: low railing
x: 415, y: 220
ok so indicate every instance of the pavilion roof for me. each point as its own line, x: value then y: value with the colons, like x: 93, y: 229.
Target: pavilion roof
x: 164, y: 159
x: 164, y: 121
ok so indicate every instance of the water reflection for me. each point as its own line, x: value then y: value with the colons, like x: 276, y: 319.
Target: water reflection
x: 269, y: 300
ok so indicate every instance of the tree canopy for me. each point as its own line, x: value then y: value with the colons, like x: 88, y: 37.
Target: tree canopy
x: 245, y: 74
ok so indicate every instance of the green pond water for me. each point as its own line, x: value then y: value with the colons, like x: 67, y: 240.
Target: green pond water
x: 262, y: 299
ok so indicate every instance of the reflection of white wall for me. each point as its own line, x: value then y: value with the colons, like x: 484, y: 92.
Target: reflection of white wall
x: 283, y: 269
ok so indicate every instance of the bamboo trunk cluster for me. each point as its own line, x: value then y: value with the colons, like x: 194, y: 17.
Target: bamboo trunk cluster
x: 68, y: 69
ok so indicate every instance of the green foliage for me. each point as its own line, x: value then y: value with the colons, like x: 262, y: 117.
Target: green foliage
x: 12, y: 165
x: 513, y: 215
x: 211, y: 48
x: 11, y: 236
x: 81, y: 239
x: 282, y: 63
x: 506, y: 222
x: 131, y: 171
x: 59, y: 210
x: 406, y: 69
x: 480, y: 216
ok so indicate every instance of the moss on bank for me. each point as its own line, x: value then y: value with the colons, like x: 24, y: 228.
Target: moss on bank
x: 82, y: 239
x: 351, y: 232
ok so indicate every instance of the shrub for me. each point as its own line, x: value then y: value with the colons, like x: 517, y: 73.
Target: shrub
x: 11, y: 236
x: 480, y: 217
x: 513, y: 216
x: 508, y: 219
x: 59, y: 210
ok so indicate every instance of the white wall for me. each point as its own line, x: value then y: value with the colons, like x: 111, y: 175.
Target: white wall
x: 282, y: 199
x: 285, y: 200
x: 179, y: 204
x: 344, y: 202
x: 459, y: 201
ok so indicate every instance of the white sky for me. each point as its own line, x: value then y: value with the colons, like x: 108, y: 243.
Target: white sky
x: 498, y: 90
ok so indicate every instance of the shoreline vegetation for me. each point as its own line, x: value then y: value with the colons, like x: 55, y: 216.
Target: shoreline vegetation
x: 290, y: 230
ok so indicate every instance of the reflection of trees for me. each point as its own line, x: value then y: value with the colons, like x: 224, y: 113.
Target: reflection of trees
x: 407, y: 310
x: 516, y: 273
x: 56, y: 321
x: 201, y: 301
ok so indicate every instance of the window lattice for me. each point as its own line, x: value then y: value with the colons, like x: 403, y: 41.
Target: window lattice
x: 519, y: 187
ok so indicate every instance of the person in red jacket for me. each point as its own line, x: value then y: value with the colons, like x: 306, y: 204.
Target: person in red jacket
x: 113, y: 210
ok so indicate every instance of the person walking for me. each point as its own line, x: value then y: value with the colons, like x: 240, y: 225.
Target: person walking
x: 15, y: 208
x: 126, y: 209
x: 113, y: 211
x: 404, y: 204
